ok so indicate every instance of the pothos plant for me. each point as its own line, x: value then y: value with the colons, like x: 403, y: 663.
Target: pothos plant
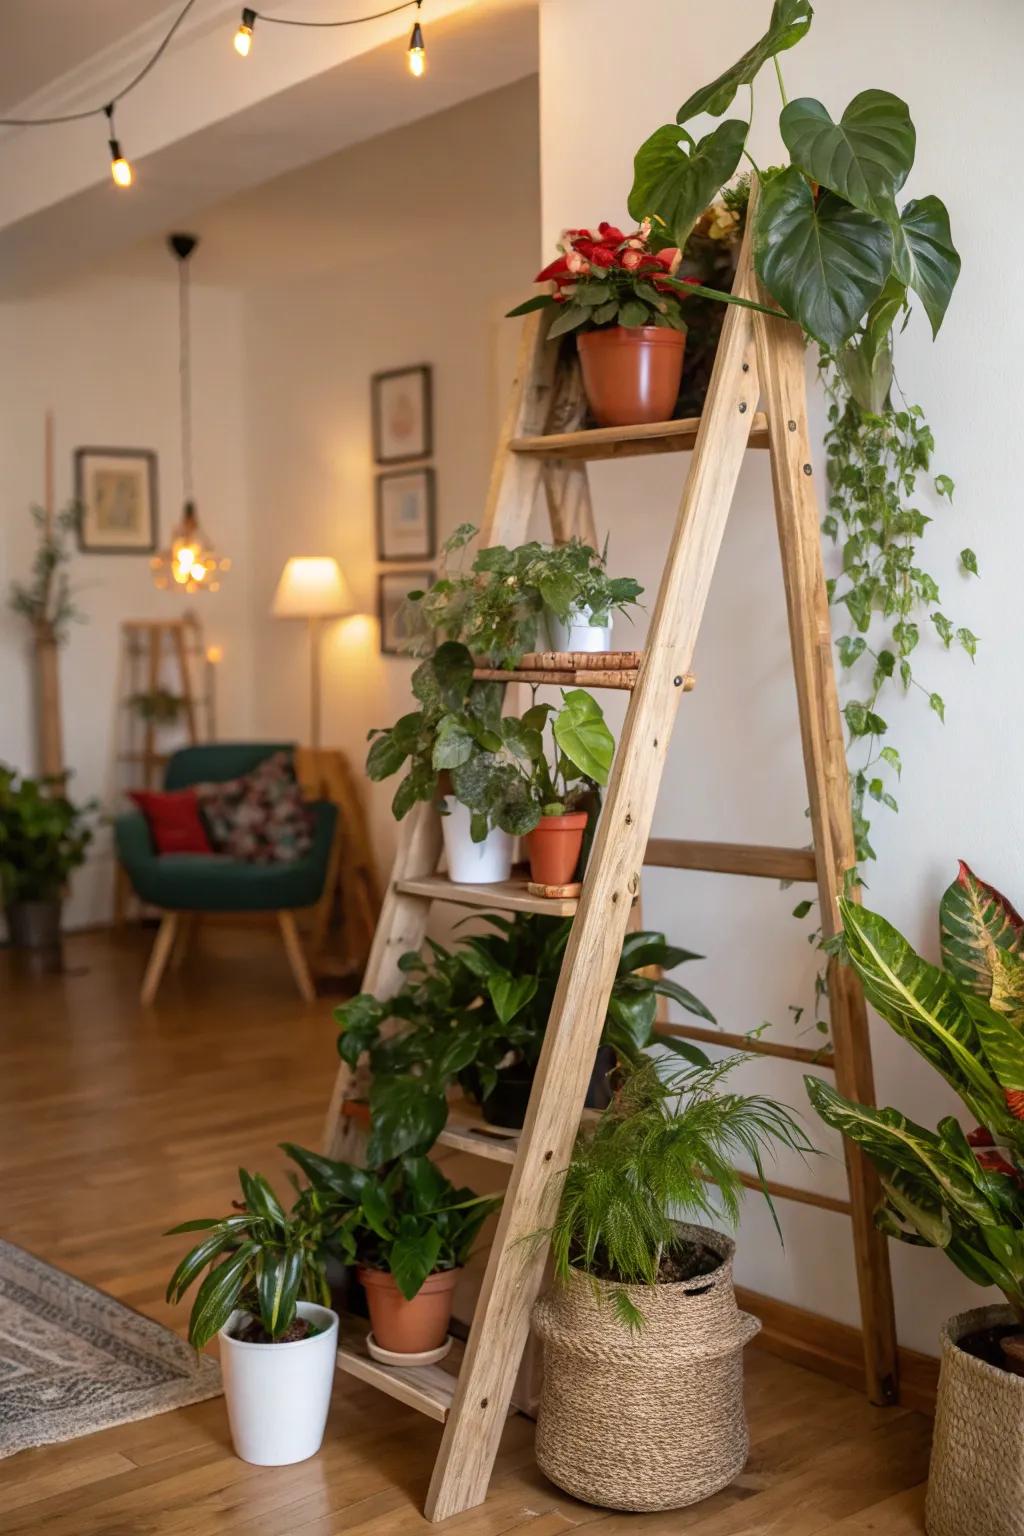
x: 497, y: 765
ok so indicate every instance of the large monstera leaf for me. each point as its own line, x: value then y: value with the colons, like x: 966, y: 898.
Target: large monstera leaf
x: 925, y: 1006
x: 825, y: 262
x: 865, y: 157
x: 977, y: 924
x: 789, y: 22
x: 675, y: 179
x: 924, y: 256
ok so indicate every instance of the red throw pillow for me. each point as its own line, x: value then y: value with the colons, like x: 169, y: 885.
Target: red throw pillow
x: 174, y: 820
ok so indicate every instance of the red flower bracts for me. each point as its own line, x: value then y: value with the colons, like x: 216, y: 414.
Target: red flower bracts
x: 603, y: 277
x: 175, y: 824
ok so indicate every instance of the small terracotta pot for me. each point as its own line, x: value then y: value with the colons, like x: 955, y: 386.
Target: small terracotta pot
x: 554, y: 847
x: 631, y: 373
x: 409, y: 1327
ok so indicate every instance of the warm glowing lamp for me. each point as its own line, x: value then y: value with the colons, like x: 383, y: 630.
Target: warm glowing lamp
x: 417, y: 51
x: 312, y: 587
x: 243, y: 37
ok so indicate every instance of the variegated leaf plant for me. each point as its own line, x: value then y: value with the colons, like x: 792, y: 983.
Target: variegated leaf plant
x: 963, y: 1194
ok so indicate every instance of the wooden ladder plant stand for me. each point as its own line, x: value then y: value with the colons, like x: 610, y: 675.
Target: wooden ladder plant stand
x: 760, y: 360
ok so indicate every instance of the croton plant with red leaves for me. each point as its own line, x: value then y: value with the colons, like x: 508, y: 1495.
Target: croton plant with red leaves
x: 603, y: 277
x: 956, y: 1190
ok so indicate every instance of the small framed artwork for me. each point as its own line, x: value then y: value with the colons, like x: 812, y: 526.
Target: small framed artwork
x: 116, y: 491
x: 405, y: 514
x: 394, y: 587
x: 403, y: 427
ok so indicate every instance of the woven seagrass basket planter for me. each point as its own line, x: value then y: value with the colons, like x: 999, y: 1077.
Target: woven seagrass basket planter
x: 652, y: 1419
x: 976, y: 1478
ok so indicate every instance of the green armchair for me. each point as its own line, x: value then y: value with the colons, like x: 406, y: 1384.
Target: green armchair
x: 184, y: 885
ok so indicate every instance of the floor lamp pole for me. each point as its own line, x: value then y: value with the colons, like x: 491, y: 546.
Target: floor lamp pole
x: 314, y: 681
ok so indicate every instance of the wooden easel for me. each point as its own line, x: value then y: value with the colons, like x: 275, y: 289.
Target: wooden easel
x: 760, y: 360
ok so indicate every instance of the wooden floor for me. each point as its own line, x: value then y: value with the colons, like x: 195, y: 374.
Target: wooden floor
x: 115, y: 1124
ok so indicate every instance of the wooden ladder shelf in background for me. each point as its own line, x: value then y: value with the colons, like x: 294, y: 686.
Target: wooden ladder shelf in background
x: 760, y: 361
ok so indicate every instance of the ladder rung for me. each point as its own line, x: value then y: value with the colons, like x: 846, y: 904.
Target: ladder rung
x: 822, y: 1058
x: 427, y: 1388
x: 588, y: 677
x: 502, y: 895
x: 468, y: 1134
x: 800, y: 1196
x: 733, y: 859
x: 627, y: 442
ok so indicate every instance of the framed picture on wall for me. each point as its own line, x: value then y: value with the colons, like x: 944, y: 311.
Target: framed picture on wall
x: 403, y: 426
x: 394, y: 587
x: 405, y: 515
x: 116, y: 491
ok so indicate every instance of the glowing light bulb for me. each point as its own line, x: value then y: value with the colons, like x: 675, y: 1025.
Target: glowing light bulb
x: 243, y: 37
x: 417, y: 54
x: 121, y: 171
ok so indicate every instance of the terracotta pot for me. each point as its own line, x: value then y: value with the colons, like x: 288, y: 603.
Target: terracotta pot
x: 409, y: 1327
x: 631, y: 373
x: 554, y: 847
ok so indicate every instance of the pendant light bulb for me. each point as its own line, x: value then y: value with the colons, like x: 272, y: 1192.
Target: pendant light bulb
x: 417, y: 54
x: 121, y: 170
x: 243, y: 37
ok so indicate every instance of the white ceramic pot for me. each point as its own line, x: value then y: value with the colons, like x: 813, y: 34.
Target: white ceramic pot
x: 278, y: 1394
x: 472, y: 863
x: 579, y: 634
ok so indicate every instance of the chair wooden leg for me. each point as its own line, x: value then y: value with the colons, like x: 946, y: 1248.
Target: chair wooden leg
x: 296, y: 956
x: 186, y: 933
x: 159, y: 957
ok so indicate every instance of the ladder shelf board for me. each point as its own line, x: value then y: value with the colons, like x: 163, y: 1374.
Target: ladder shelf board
x: 759, y: 859
x: 569, y: 677
x: 502, y: 895
x: 427, y: 1388
x: 813, y: 1058
x: 468, y: 1131
x: 627, y: 442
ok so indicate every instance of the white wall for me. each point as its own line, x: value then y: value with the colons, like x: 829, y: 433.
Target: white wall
x: 433, y: 235
x: 102, y: 353
x: 734, y: 770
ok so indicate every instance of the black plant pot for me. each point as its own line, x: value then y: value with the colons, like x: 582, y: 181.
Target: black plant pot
x: 506, y: 1105
x: 34, y: 929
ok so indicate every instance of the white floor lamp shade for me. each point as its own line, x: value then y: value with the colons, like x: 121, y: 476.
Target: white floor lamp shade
x: 312, y: 587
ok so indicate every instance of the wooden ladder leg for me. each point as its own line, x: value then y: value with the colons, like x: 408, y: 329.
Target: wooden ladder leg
x: 515, y: 1266
x: 159, y: 956
x: 296, y: 955
x: 781, y: 366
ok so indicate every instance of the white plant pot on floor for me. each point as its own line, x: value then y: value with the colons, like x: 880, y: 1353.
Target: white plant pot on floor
x: 278, y: 1394
x: 579, y: 634
x: 472, y: 863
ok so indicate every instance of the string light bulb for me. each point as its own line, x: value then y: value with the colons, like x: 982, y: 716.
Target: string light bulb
x: 417, y: 47
x: 243, y: 37
x: 120, y: 167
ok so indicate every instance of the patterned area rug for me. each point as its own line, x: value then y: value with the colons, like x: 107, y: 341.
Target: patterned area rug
x: 73, y: 1361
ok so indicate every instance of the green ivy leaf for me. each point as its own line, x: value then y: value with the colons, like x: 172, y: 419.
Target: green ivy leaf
x: 969, y: 642
x: 936, y: 703
x: 892, y: 757
x: 850, y: 647
x: 802, y: 908
x: 969, y: 561
x: 944, y: 486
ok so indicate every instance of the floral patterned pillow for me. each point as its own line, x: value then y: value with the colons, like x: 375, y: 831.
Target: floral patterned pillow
x: 260, y: 818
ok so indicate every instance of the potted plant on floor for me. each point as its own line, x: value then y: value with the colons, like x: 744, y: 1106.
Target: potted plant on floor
x: 620, y: 296
x: 476, y: 1016
x: 961, y: 1193
x: 43, y: 838
x: 642, y: 1310
x: 511, y: 601
x: 265, y: 1294
x: 409, y: 1231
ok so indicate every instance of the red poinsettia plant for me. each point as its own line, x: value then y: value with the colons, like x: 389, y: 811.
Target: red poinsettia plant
x: 603, y: 277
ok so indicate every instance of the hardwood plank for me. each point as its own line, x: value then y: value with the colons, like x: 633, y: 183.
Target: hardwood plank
x: 502, y: 895
x: 625, y: 442
x: 732, y: 859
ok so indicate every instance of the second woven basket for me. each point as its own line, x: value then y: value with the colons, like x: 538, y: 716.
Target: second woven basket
x: 652, y: 1419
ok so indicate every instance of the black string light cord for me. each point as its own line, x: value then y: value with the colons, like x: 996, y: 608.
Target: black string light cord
x: 351, y: 21
x: 106, y: 107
